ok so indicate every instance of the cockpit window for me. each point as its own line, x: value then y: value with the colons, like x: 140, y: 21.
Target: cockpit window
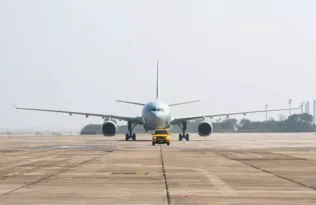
x: 157, y: 109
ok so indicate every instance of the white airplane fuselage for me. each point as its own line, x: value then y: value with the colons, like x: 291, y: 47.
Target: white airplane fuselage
x: 156, y: 114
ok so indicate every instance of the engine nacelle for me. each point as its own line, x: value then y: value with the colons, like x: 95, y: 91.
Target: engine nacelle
x: 109, y: 128
x: 205, y: 128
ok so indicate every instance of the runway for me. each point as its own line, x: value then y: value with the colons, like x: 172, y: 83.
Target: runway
x: 224, y: 169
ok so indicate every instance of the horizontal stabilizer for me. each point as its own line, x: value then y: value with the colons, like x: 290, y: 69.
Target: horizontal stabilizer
x: 181, y: 103
x: 128, y: 102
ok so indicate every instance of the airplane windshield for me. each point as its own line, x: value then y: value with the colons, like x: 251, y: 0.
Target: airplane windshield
x: 157, y: 109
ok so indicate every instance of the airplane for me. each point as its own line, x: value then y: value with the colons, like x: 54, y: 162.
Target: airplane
x: 155, y: 114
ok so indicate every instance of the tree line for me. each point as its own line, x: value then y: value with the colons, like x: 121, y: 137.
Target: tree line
x: 294, y: 123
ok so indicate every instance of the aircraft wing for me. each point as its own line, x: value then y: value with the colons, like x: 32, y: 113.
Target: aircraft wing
x: 136, y: 120
x: 181, y: 119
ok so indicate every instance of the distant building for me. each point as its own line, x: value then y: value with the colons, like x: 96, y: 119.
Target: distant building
x: 307, y: 107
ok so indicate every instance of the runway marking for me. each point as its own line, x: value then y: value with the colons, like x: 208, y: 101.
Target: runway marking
x: 213, y: 179
x: 236, y: 154
x: 216, y: 181
x: 254, y: 155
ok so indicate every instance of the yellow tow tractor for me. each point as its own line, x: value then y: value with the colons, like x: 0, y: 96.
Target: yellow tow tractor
x: 161, y: 136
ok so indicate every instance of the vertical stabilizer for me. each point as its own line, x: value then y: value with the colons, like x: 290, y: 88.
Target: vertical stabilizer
x: 157, y: 81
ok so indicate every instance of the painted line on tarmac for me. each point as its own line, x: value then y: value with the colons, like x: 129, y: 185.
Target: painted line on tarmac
x: 213, y: 179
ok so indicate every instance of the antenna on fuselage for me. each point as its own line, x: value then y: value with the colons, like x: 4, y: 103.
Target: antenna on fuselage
x: 157, y: 81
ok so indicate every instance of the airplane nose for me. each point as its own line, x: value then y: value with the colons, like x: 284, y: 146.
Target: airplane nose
x: 155, y: 119
x: 158, y: 115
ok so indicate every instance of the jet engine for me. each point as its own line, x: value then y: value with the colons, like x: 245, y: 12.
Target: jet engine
x: 205, y: 128
x: 109, y: 128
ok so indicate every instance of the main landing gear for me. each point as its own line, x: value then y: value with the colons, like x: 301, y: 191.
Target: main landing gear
x: 130, y: 135
x: 184, y: 135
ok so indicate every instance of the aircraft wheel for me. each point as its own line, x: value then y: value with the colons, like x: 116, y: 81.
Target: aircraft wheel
x: 153, y: 144
x: 168, y: 143
x: 126, y: 137
x: 134, y: 136
x: 180, y: 137
x: 187, y: 137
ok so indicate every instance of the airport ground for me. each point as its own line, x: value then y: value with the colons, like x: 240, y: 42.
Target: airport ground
x: 237, y: 169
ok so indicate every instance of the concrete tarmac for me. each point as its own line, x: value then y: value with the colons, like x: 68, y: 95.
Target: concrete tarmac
x: 224, y: 169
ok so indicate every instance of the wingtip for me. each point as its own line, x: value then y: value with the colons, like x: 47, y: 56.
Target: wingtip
x: 14, y: 105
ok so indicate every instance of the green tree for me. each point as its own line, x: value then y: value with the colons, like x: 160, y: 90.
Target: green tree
x: 294, y: 123
x: 244, y: 122
x: 306, y: 118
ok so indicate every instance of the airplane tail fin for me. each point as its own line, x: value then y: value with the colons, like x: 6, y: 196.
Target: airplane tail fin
x: 181, y: 103
x: 157, y: 91
x: 157, y: 81
x: 129, y: 102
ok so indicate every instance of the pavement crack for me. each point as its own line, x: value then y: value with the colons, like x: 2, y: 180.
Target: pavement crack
x: 268, y: 172
x: 51, y: 175
x: 165, y: 177
x: 279, y: 176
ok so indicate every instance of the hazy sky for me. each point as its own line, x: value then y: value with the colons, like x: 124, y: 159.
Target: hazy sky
x: 82, y: 55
